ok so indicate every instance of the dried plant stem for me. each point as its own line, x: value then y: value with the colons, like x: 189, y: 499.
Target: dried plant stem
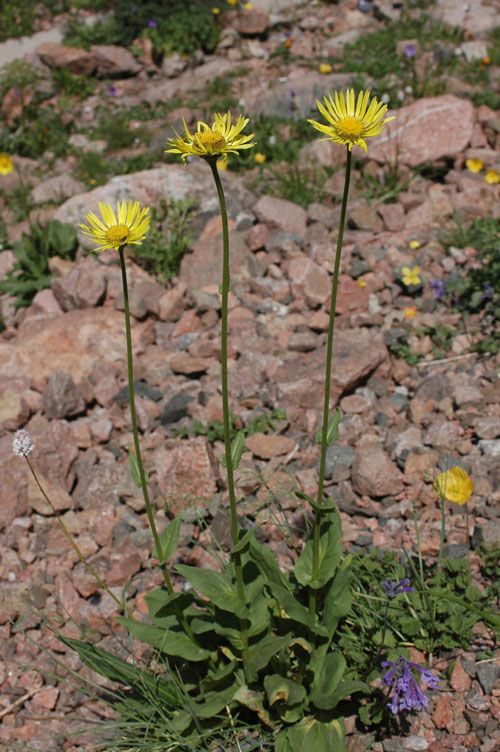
x: 328, y: 378
x: 226, y: 280
x: 70, y: 538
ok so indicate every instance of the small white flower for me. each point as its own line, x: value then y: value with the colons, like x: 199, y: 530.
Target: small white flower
x: 385, y: 98
x: 22, y: 445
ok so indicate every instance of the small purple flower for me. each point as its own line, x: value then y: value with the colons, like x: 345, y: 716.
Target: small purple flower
x: 410, y: 50
x: 365, y: 6
x: 488, y: 292
x: 153, y: 23
x: 437, y: 286
x: 112, y: 90
x: 392, y: 588
x: 287, y: 34
x: 407, y: 692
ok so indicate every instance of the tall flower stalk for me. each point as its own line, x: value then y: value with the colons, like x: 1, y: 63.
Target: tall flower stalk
x: 211, y: 143
x: 349, y: 121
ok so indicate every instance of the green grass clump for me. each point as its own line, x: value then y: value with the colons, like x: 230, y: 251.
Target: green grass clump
x: 168, y: 239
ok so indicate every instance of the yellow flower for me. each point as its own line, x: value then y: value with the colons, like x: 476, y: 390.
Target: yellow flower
x: 409, y: 312
x: 218, y: 140
x: 492, y: 177
x: 410, y: 276
x: 222, y: 164
x: 6, y: 164
x: 232, y: 2
x: 129, y: 226
x: 260, y: 158
x: 325, y: 68
x: 474, y: 165
x: 486, y: 60
x: 361, y: 282
x: 350, y: 121
x: 248, y: 6
x: 414, y: 245
x: 454, y: 485
x: 216, y: 11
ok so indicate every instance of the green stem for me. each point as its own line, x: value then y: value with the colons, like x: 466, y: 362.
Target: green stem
x: 226, y: 281
x: 142, y: 475
x: 443, y: 530
x: 90, y: 569
x: 328, y: 377
x: 419, y: 546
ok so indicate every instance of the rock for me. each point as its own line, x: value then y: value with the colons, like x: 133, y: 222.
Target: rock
x: 364, y: 217
x: 250, y: 22
x: 14, y: 409
x: 460, y: 680
x: 175, y: 409
x: 13, y: 489
x: 393, y: 216
x: 186, y: 475
x: 323, y: 153
x: 487, y: 428
x: 475, y: 17
x: 351, y: 298
x: 173, y: 65
x: 58, y: 189
x: 83, y: 287
x: 55, y: 450
x: 171, y: 303
x: 357, y: 353
x: 443, y: 712
x: 99, y: 478
x: 61, y: 397
x: 77, y: 341
x: 486, y: 534
x: 309, y: 280
x: 490, y: 447
x: 487, y: 673
x: 421, y: 131
x: 204, y: 264
x: 114, y: 61
x: 406, y: 744
x: 266, y: 446
x: 188, y: 365
x: 302, y: 342
x: 373, y: 474
x: 339, y: 459
x: 280, y: 214
x: 80, y: 62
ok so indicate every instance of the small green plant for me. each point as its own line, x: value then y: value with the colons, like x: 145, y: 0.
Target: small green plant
x: 94, y: 169
x: 303, y: 186
x: 72, y: 85
x: 214, y: 431
x: 168, y: 239
x: 41, y: 129
x: 113, y: 126
x: 18, y: 73
x: 279, y: 139
x: 83, y: 35
x: 31, y: 270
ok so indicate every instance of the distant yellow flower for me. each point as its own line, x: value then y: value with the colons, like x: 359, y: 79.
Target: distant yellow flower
x: 216, y: 11
x: 492, y: 177
x: 248, y: 6
x: 260, y: 158
x: 218, y: 140
x: 410, y: 276
x: 6, y: 164
x: 409, y: 312
x: 414, y: 245
x: 129, y: 226
x: 232, y: 2
x: 325, y: 68
x: 474, y: 165
x: 454, y: 485
x: 361, y: 282
x: 350, y: 121
x: 486, y: 60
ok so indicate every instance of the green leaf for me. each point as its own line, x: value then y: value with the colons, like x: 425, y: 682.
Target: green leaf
x: 217, y: 587
x: 313, y: 735
x: 164, y: 608
x: 332, y: 433
x: 115, y: 669
x: 169, y: 538
x: 329, y: 555
x: 253, y: 701
x: 237, y: 449
x: 338, y: 600
x: 261, y: 653
x: 282, y: 690
x: 134, y: 469
x: 294, y: 610
x: 266, y: 563
x: 346, y: 689
x: 214, y: 702
x: 243, y: 542
x: 167, y: 640
x: 328, y: 672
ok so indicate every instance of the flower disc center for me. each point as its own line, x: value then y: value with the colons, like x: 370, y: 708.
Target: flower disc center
x: 350, y: 127
x: 213, y: 142
x: 118, y: 234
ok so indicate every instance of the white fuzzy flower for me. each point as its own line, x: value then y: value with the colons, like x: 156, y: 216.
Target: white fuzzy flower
x: 22, y: 445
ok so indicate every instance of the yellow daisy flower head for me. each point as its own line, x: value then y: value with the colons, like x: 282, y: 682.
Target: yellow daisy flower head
x: 216, y: 11
x: 128, y: 226
x: 221, y: 138
x: 410, y: 275
x: 474, y: 165
x: 6, y: 164
x: 414, y: 245
x: 454, y: 485
x: 351, y: 120
x: 325, y: 68
x: 260, y: 158
x: 492, y: 177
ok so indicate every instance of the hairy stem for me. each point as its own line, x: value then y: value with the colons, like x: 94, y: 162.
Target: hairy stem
x: 328, y: 378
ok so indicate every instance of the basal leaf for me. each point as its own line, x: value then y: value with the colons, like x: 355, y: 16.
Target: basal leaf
x: 261, y: 653
x: 217, y: 587
x: 328, y: 672
x: 167, y: 640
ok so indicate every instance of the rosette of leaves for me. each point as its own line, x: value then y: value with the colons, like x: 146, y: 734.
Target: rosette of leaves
x: 31, y: 272
x: 268, y: 663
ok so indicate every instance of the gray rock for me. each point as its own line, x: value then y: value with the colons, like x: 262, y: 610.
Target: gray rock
x: 141, y: 389
x: 175, y: 409
x: 373, y: 473
x: 487, y: 674
x: 487, y: 535
x: 61, y: 397
x: 338, y: 457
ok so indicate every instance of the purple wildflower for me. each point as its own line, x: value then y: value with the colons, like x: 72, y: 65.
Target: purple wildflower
x: 287, y: 34
x: 407, y: 692
x: 488, y: 292
x: 437, y: 286
x: 365, y: 6
x: 410, y: 50
x: 392, y: 588
x: 112, y: 90
x: 153, y: 23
